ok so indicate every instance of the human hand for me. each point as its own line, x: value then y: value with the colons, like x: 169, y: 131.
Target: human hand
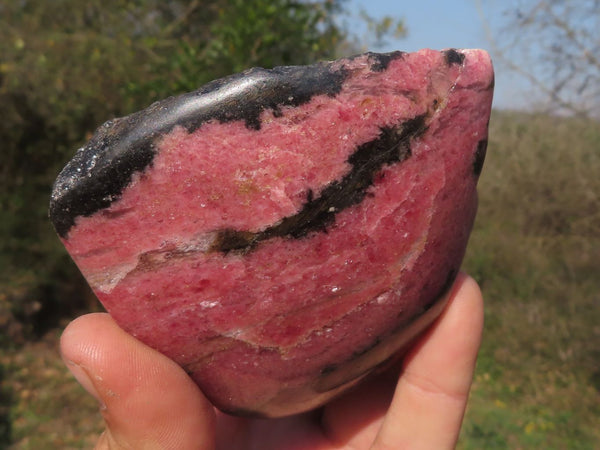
x: 149, y: 402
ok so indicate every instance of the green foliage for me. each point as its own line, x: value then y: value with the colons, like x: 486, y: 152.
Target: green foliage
x: 535, y: 250
x: 6, y: 395
x: 246, y: 34
x: 382, y: 28
x: 45, y: 408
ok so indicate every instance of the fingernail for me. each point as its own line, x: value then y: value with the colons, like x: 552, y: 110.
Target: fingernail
x: 84, y: 379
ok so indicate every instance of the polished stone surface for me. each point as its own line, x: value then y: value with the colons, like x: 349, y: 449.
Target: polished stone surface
x: 280, y: 233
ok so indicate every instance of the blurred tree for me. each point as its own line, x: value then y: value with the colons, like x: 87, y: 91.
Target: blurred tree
x: 382, y: 28
x: 555, y: 45
x: 66, y: 66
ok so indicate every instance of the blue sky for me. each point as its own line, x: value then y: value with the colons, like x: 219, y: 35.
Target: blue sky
x: 442, y: 24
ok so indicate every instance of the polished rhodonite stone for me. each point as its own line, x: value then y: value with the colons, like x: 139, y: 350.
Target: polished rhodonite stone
x: 280, y: 233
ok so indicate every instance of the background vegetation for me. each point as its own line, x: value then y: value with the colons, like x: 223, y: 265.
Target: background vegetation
x: 535, y: 250
x: 66, y: 66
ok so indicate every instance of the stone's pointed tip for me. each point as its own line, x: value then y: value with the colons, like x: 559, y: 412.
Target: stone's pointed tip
x: 454, y: 56
x: 281, y: 233
x: 458, y: 56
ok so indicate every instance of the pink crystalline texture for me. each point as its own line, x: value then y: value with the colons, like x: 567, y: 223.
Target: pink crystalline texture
x: 287, y: 325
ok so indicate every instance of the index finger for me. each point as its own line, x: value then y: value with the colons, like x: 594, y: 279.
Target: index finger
x: 430, y: 399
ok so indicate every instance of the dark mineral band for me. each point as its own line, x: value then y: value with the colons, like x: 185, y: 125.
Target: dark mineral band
x: 391, y: 147
x: 99, y: 172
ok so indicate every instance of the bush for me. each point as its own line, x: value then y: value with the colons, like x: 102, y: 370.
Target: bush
x: 535, y: 249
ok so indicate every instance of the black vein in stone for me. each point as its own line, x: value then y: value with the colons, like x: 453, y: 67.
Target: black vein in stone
x: 454, y: 57
x: 391, y: 147
x: 101, y: 170
x: 479, y: 156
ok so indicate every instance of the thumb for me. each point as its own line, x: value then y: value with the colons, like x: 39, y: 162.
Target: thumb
x: 147, y: 401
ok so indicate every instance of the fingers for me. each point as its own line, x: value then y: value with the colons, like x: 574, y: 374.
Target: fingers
x: 148, y: 402
x: 431, y: 396
x: 354, y: 419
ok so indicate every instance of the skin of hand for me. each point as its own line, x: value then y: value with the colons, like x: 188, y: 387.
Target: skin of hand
x: 149, y: 402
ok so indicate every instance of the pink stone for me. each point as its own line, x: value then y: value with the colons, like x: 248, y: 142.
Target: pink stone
x: 280, y: 234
